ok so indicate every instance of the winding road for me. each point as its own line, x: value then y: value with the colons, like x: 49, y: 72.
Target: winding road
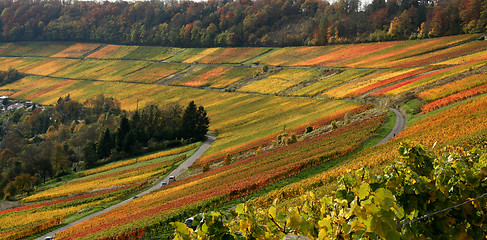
x: 398, y: 126
x: 176, y: 172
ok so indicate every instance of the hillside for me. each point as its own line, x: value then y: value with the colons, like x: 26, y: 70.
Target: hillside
x: 288, y: 120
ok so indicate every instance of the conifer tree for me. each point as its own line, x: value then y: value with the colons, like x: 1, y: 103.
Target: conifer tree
x: 104, y: 146
x: 195, y: 122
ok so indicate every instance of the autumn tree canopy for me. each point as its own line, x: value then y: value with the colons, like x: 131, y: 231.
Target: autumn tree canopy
x: 238, y: 23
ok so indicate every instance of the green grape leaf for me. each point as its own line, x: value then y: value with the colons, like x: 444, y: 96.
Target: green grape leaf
x: 204, y: 228
x: 240, y: 209
x: 370, y: 223
x: 322, y: 235
x: 294, y: 220
x: 384, y: 198
x: 358, y: 235
x: 273, y: 212
x: 182, y: 230
x: 346, y: 228
x: 282, y: 217
x: 363, y: 191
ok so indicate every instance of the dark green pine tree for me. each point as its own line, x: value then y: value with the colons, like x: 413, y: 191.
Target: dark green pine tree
x: 189, y: 121
x: 104, y: 146
x: 202, y: 123
x: 136, y: 126
x: 89, y: 153
x: 122, y: 131
x: 194, y: 122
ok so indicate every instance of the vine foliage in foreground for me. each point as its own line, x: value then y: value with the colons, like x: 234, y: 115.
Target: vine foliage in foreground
x: 387, y: 206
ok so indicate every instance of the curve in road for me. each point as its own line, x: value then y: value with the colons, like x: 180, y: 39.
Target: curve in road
x: 399, y: 125
x: 176, y: 172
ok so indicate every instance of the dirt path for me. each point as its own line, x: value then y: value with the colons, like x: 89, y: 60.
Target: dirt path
x: 398, y: 126
x: 178, y: 171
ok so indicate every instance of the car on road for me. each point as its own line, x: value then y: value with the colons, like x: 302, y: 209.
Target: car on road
x: 172, y: 178
x: 189, y: 223
x: 163, y: 184
x: 49, y: 238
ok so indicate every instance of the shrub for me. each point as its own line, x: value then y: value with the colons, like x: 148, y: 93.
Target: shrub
x: 346, y: 118
x: 292, y: 139
x: 334, y: 124
x: 227, y: 160
x: 205, y: 167
x: 308, y: 129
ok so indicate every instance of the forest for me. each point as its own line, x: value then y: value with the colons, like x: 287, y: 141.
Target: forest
x: 238, y: 23
x: 52, y: 141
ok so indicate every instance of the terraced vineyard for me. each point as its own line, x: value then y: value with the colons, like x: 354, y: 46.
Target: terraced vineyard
x: 288, y: 120
x: 92, y: 190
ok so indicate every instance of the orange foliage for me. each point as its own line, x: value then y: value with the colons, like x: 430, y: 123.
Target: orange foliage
x: 104, y: 51
x: 77, y: 50
x: 453, y: 87
x: 403, y: 83
x: 30, y: 230
x: 367, y: 60
x: 205, y: 77
x: 347, y: 53
x: 454, y: 98
x: 48, y: 89
x: 389, y: 80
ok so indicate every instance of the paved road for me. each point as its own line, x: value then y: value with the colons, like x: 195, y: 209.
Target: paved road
x: 398, y: 126
x: 178, y: 171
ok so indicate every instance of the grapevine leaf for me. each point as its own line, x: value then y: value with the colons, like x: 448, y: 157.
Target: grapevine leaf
x: 182, y: 231
x: 387, y: 226
x: 370, y: 223
x: 363, y: 191
x: 322, y: 234
x: 272, y: 212
x: 358, y: 235
x: 204, y: 228
x: 294, y: 220
x: 384, y: 198
x: 240, y: 209
x: 282, y: 217
x: 325, y: 223
x: 346, y: 228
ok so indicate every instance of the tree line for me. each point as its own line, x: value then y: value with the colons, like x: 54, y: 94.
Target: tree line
x: 9, y: 76
x: 49, y: 142
x: 238, y: 23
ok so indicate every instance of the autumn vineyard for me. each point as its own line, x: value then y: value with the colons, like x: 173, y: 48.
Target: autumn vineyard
x: 296, y: 140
